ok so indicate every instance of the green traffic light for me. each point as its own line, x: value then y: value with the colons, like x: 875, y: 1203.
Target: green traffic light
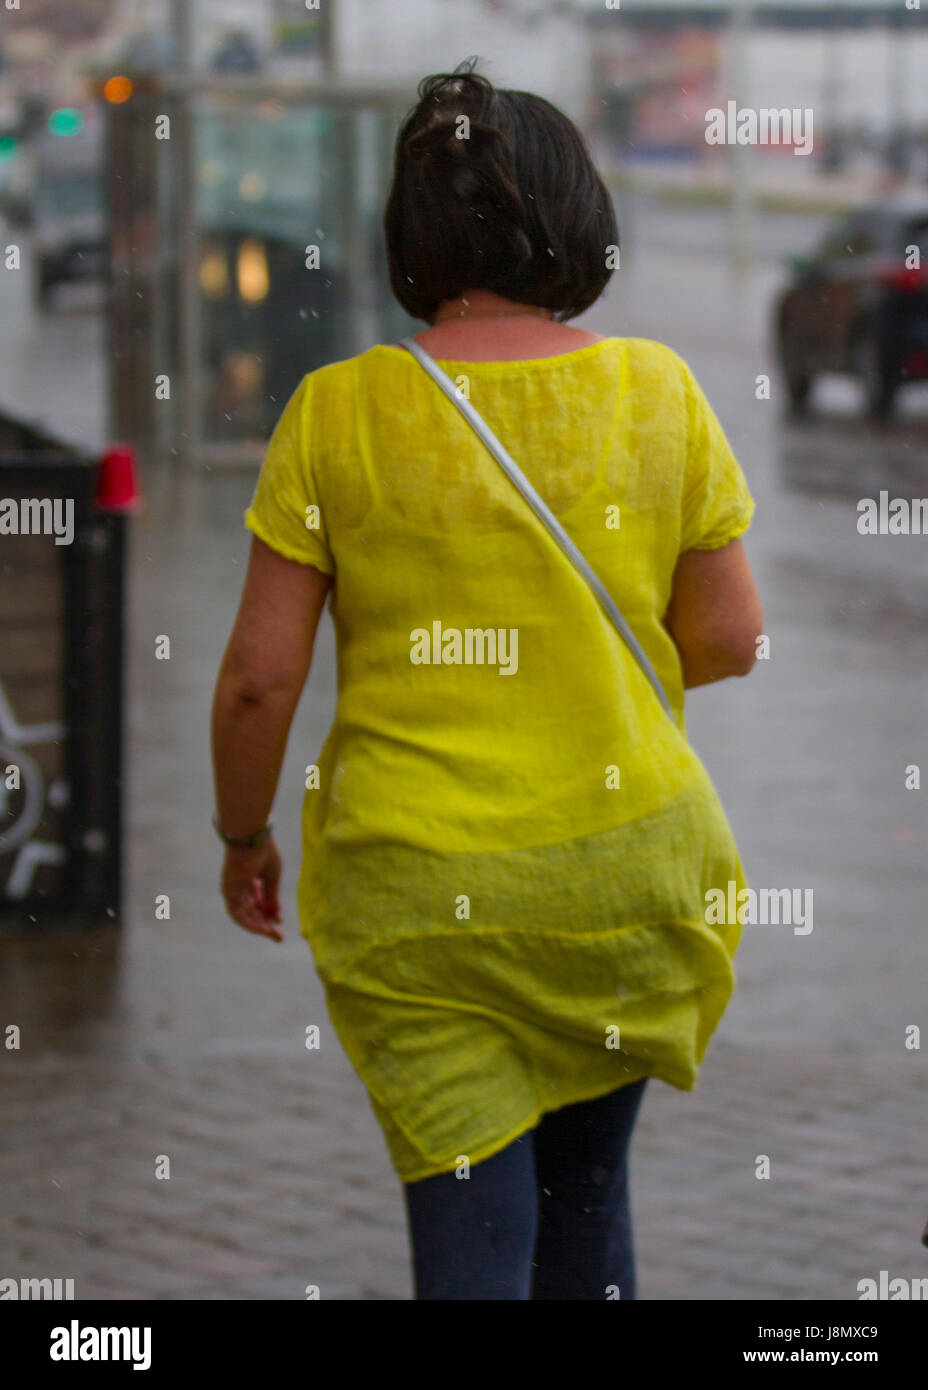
x: 67, y: 120
x: 8, y: 146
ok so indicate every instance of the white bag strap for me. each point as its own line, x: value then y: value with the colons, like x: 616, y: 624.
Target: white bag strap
x: 542, y: 511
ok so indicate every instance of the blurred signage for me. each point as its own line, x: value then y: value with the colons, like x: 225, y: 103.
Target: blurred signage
x: 665, y: 82
x: 638, y: 57
x: 302, y: 31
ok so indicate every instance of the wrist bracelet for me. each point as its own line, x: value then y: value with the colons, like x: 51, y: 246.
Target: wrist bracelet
x: 243, y: 841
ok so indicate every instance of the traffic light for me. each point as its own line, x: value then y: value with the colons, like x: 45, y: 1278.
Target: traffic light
x: 117, y: 89
x: 66, y: 120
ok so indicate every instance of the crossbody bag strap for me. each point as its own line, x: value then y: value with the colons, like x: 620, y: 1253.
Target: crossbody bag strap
x: 542, y: 511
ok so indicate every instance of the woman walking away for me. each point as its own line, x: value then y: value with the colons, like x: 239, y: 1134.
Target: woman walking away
x: 508, y: 853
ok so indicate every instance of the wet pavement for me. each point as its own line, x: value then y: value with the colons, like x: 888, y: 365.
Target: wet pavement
x: 184, y: 1039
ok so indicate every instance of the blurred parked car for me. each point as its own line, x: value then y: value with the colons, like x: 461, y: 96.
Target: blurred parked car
x: 859, y: 304
x: 16, y: 187
x: 69, y: 211
x: 13, y: 165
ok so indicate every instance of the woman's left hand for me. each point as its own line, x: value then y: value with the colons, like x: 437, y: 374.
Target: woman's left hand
x: 250, y: 882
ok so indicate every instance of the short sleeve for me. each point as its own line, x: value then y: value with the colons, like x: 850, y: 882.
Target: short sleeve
x: 717, y: 506
x: 286, y: 510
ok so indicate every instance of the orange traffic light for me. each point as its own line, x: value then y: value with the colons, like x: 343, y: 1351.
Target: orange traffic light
x: 117, y: 89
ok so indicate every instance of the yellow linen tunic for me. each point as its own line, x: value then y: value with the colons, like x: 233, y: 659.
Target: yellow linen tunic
x: 505, y: 871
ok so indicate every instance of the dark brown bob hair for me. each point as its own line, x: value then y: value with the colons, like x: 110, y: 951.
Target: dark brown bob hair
x: 507, y: 200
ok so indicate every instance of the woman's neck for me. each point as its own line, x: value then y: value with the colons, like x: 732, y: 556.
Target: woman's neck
x: 502, y: 340
x: 492, y: 328
x: 473, y: 304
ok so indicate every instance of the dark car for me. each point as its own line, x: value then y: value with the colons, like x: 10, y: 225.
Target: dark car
x: 69, y: 207
x: 859, y: 304
x: 70, y: 229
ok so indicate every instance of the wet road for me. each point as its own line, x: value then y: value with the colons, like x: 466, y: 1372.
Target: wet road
x: 809, y: 755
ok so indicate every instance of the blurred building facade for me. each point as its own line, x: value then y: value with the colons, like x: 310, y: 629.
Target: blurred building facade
x: 856, y: 65
x: 280, y: 149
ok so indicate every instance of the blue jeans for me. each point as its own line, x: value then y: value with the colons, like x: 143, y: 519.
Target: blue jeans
x: 545, y: 1218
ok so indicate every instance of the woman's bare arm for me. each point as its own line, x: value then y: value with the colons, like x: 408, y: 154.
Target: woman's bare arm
x: 714, y: 615
x: 263, y: 673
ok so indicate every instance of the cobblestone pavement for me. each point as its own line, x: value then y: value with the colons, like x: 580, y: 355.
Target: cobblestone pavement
x: 279, y: 1179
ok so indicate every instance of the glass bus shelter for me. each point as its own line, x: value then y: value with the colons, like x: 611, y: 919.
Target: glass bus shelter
x: 246, y: 250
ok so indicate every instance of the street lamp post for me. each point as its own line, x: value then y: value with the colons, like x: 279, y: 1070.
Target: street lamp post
x: 742, y: 209
x: 188, y: 307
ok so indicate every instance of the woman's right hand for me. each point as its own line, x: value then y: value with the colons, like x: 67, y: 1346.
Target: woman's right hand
x: 250, y: 885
